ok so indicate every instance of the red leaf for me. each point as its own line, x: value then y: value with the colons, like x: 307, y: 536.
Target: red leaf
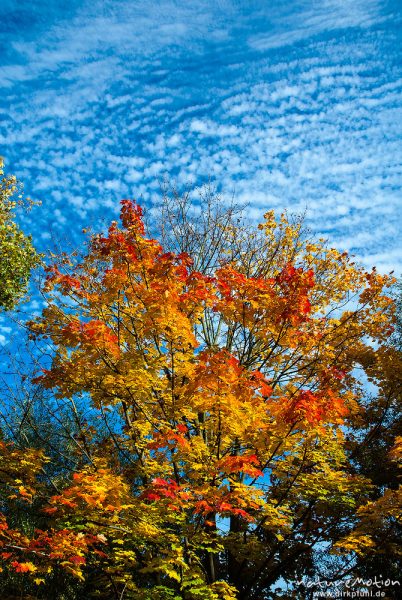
x: 77, y: 560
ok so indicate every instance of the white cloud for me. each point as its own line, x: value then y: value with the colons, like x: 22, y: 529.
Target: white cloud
x: 288, y: 113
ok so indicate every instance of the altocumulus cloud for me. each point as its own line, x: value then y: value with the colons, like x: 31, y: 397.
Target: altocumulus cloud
x: 287, y: 104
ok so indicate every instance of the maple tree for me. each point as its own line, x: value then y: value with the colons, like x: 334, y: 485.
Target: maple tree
x: 220, y: 457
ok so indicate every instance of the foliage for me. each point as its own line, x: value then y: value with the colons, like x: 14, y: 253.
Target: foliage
x: 17, y: 254
x: 375, y: 445
x: 226, y: 407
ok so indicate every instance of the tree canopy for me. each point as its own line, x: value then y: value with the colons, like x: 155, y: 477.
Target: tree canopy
x: 17, y: 254
x: 219, y: 451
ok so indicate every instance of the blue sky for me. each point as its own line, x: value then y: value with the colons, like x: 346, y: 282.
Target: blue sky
x: 285, y: 104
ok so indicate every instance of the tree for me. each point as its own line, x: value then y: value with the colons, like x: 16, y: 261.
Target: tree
x: 227, y: 394
x: 376, y: 447
x: 17, y: 254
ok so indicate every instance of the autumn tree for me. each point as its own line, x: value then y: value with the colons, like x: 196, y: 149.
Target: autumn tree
x: 220, y: 458
x: 375, y: 443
